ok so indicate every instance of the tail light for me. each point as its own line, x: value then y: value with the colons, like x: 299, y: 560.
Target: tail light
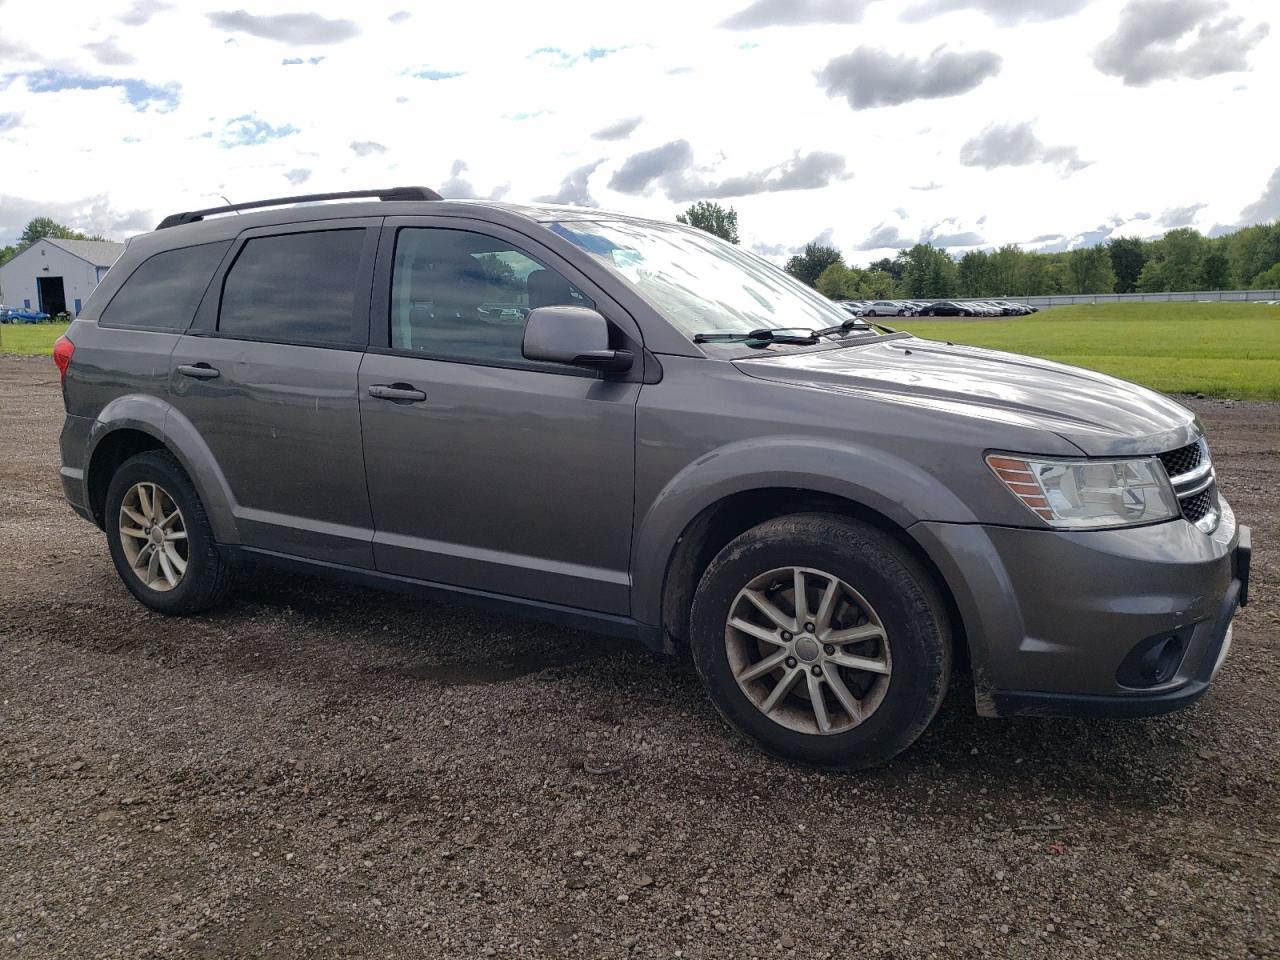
x: 63, y: 350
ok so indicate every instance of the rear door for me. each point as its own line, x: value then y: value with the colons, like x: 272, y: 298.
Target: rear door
x: 267, y: 377
x: 486, y: 470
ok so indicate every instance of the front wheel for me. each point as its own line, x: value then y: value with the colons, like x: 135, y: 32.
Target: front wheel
x: 160, y: 538
x: 823, y: 640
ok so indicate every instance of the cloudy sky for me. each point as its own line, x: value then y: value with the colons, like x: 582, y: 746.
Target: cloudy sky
x: 867, y: 123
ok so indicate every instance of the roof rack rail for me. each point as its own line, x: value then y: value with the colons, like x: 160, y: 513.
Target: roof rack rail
x: 393, y: 193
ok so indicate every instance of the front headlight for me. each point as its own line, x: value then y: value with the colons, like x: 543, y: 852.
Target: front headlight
x: 1085, y: 494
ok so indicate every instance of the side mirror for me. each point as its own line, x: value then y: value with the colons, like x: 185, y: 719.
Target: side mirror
x: 578, y: 336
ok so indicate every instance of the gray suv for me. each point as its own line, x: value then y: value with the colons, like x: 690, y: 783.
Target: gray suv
x: 633, y: 428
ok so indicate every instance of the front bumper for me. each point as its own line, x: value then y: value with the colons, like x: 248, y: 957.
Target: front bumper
x: 1050, y: 616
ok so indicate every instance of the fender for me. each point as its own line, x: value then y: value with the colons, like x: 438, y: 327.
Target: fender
x: 874, y: 478
x: 157, y: 418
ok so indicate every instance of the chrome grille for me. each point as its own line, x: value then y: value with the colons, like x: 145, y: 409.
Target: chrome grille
x: 1198, y: 506
x: 1190, y: 471
x: 1183, y: 460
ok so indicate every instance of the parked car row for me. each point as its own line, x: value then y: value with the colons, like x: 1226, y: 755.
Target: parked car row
x: 936, y: 308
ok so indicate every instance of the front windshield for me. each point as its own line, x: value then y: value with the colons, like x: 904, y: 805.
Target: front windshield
x: 700, y: 283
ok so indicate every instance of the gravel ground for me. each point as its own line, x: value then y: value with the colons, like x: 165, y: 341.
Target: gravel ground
x: 329, y: 771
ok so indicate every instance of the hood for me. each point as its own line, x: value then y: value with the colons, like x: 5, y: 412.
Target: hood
x: 1101, y: 415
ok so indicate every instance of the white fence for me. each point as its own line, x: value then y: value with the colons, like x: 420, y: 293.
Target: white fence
x: 1203, y: 295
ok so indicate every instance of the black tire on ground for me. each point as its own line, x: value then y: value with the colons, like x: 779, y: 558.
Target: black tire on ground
x: 893, y: 582
x: 208, y: 574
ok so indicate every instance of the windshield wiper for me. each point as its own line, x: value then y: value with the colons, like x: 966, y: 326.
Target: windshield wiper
x: 763, y: 335
x: 853, y: 323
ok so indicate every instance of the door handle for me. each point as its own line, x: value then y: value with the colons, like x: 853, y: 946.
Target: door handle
x: 199, y: 371
x: 397, y: 392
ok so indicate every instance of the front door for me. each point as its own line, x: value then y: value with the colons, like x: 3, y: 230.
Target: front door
x: 267, y: 377
x: 486, y: 470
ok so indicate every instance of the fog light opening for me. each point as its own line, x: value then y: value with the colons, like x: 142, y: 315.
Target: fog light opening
x: 1153, y: 661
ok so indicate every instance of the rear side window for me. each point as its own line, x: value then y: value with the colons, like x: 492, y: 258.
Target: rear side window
x: 295, y: 288
x: 163, y: 293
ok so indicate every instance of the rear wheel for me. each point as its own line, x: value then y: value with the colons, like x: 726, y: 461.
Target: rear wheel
x: 823, y: 640
x: 160, y: 538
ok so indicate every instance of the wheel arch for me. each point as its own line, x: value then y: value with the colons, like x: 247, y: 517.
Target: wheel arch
x: 133, y: 424
x: 707, y: 533
x: 112, y: 450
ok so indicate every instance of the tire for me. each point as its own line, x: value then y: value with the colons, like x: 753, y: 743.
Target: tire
x: 206, y: 579
x: 904, y: 603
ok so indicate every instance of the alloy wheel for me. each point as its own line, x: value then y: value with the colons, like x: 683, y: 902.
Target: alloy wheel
x: 808, y: 650
x: 153, y: 536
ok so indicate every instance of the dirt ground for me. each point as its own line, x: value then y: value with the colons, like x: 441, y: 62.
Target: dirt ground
x: 333, y: 772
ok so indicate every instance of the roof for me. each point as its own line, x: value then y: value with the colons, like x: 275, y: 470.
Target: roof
x: 547, y: 212
x: 100, y: 253
x: 218, y: 226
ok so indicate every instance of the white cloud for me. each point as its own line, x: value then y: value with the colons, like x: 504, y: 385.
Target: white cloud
x: 1148, y: 41
x: 574, y: 189
x: 292, y: 28
x: 1016, y: 145
x: 1180, y: 216
x: 871, y: 77
x: 794, y: 13
x: 618, y: 130
x: 672, y: 167
x: 147, y: 137
x: 1267, y: 207
x: 1004, y: 12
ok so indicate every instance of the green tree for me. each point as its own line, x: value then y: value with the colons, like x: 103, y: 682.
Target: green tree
x: 1268, y: 279
x: 42, y: 227
x: 1041, y: 275
x: 839, y: 282
x: 1090, y: 270
x: 973, y: 274
x: 7, y: 254
x: 713, y: 218
x: 1177, y: 262
x: 886, y: 265
x: 1128, y: 257
x: 927, y: 272
x: 1252, y: 251
x: 808, y: 265
x: 1216, y: 273
x: 1006, y: 267
x: 876, y: 285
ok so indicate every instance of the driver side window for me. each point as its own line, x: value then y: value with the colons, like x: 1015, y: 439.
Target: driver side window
x: 463, y: 295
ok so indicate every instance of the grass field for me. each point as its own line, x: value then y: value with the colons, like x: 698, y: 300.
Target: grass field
x: 1218, y: 349
x: 29, y: 338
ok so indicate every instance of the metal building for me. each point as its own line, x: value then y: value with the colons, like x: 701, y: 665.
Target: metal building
x: 56, y: 275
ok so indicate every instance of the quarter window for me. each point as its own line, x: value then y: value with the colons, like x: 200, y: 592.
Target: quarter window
x: 296, y: 288
x: 465, y: 295
x: 163, y: 293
